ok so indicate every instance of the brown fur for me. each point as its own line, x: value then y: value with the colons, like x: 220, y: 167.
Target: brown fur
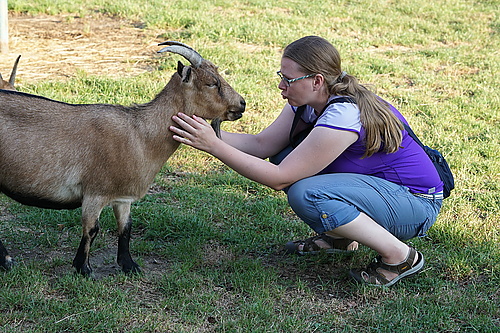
x: 58, y: 155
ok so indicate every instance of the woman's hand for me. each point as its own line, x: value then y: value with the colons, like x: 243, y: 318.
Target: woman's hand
x: 194, y: 131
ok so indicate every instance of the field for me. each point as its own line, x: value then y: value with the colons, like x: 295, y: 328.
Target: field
x: 210, y: 242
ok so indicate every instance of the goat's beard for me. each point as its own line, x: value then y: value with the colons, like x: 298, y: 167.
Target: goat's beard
x: 216, y: 126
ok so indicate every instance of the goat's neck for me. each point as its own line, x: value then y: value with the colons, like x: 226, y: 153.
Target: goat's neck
x: 158, y: 113
x: 155, y: 118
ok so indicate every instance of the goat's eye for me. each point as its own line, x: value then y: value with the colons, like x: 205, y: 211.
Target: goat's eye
x: 214, y: 84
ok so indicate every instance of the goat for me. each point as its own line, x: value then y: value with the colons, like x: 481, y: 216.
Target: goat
x: 10, y: 85
x: 57, y: 155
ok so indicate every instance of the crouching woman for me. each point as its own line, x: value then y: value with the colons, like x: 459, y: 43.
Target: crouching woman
x: 354, y: 176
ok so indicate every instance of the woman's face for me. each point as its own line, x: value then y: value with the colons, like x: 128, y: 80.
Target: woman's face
x: 298, y: 92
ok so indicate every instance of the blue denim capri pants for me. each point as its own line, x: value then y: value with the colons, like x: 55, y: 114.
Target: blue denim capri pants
x: 326, y: 202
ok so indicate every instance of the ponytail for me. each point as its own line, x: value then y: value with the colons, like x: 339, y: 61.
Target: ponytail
x: 315, y: 55
x: 382, y: 127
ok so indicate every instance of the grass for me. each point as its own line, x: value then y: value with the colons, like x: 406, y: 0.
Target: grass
x: 210, y: 242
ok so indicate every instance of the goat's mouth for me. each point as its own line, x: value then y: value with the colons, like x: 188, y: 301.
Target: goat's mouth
x: 234, y: 115
x: 231, y: 115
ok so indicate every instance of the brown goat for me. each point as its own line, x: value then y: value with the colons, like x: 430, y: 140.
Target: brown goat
x: 62, y: 156
x: 10, y: 85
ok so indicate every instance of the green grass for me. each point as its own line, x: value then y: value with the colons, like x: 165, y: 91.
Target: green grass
x: 210, y: 242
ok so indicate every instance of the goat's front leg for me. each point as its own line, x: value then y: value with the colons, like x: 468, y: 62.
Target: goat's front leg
x: 124, y: 222
x: 91, y: 209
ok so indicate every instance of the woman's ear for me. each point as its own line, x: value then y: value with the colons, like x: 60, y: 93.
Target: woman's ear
x: 318, y: 82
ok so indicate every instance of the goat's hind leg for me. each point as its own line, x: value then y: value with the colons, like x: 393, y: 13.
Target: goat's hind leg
x: 124, y: 222
x: 91, y: 209
x: 6, y: 261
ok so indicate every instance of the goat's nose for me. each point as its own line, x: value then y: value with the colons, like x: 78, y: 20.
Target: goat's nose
x: 243, y: 104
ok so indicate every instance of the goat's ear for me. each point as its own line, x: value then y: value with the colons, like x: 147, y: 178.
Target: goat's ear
x: 184, y: 71
x: 180, y: 66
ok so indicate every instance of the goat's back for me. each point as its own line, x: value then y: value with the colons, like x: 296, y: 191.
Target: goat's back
x: 60, y: 152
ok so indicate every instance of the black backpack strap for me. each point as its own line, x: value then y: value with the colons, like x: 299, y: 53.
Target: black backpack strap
x: 440, y: 163
x: 413, y: 135
x: 300, y: 110
x: 298, y: 114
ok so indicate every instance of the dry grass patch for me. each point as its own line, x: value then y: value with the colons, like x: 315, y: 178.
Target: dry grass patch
x: 57, y: 47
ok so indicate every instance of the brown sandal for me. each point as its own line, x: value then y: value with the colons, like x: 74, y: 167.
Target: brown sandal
x: 373, y: 277
x: 310, y: 247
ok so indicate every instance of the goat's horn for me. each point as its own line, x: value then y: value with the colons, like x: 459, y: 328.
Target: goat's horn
x: 182, y: 49
x: 12, y: 78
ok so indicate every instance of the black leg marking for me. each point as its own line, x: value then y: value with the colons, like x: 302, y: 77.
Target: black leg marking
x: 81, y: 261
x: 124, y: 258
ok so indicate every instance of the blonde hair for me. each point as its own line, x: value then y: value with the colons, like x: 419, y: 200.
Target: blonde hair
x: 315, y: 55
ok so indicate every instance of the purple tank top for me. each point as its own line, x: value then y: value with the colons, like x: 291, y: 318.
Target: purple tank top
x: 409, y: 166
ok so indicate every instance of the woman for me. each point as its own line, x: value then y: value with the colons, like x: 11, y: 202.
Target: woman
x: 356, y: 177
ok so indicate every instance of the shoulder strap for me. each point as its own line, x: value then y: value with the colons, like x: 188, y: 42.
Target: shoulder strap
x: 300, y: 110
x: 413, y: 135
x: 298, y: 114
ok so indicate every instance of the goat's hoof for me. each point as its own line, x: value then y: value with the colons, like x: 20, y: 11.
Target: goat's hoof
x: 131, y: 268
x: 84, y: 270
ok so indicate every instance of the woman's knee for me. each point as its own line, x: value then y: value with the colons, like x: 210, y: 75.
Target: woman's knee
x: 322, y: 211
x: 297, y: 195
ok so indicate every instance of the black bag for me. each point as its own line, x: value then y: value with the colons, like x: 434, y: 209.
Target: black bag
x: 439, y: 162
x: 436, y: 157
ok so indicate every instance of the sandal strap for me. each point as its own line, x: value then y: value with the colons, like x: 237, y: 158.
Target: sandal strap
x: 310, y: 246
x: 373, y: 276
x: 401, y: 267
x: 336, y: 243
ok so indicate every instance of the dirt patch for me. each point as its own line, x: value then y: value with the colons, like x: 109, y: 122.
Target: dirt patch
x: 57, y: 47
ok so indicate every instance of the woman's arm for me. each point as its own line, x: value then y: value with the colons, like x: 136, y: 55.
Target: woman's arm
x: 319, y: 149
x: 267, y: 143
